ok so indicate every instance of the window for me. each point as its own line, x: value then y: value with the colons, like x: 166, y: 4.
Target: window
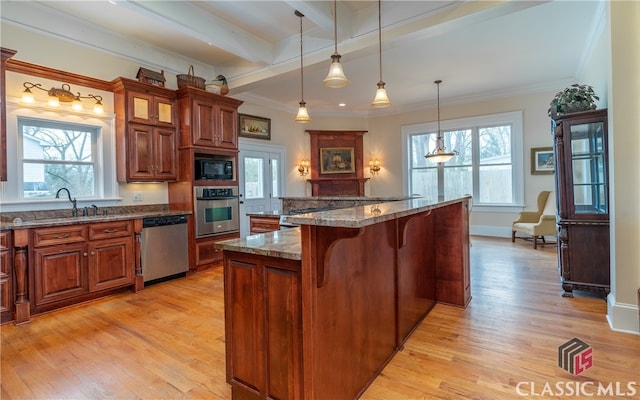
x: 57, y: 154
x: 488, y: 165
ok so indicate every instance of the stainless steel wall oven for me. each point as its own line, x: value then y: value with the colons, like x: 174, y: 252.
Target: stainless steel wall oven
x: 216, y: 210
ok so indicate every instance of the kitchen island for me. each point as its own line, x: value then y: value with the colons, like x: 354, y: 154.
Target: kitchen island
x: 316, y: 312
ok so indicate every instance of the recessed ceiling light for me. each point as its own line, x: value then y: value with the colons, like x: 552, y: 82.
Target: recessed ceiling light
x: 342, y: 104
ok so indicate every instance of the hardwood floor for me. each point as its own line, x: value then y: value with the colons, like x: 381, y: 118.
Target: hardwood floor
x: 167, y: 341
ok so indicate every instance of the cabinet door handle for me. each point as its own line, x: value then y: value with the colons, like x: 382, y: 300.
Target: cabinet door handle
x: 93, y: 253
x: 110, y: 230
x: 84, y: 254
x: 66, y: 235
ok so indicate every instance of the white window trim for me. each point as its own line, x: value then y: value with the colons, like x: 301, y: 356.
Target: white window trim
x: 106, y: 182
x: 513, y: 118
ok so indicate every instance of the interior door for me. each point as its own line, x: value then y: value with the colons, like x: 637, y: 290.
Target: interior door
x: 260, y: 183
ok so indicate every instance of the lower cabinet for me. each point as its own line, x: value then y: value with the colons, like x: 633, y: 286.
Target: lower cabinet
x: 6, y: 277
x: 207, y: 254
x: 263, y: 223
x: 75, y: 262
x: 263, y: 326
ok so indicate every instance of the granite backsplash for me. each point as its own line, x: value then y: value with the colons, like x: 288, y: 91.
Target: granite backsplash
x: 47, y: 214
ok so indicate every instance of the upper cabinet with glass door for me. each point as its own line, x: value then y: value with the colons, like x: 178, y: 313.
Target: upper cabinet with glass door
x: 147, y: 104
x: 581, y: 149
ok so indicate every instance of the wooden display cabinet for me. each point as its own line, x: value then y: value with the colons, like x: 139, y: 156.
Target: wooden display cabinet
x: 146, y: 132
x: 582, y: 187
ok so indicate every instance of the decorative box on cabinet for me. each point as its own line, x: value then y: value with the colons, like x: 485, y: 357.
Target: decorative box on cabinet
x: 74, y: 262
x: 6, y: 277
x: 582, y: 187
x: 207, y: 119
x: 146, y: 135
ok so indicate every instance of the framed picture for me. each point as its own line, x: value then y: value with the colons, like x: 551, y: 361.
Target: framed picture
x: 337, y: 160
x: 542, y: 161
x: 254, y: 127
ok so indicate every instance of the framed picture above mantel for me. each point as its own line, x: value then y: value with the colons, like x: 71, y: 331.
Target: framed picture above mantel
x: 337, y: 160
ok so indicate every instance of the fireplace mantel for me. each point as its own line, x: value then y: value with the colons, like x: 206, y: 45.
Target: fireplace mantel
x: 336, y: 183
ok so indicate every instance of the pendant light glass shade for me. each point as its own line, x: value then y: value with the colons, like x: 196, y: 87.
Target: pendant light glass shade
x: 440, y: 154
x: 336, y: 77
x: 381, y: 100
x: 302, y: 116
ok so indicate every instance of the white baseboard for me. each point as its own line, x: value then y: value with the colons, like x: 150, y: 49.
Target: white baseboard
x: 489, y: 230
x: 622, y: 317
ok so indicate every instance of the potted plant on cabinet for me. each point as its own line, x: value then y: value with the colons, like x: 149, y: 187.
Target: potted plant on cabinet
x: 574, y: 98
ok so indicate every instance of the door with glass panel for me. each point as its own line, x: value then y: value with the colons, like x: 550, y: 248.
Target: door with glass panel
x: 260, y: 175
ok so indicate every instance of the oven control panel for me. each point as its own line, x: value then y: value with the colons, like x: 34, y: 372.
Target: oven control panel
x: 218, y: 192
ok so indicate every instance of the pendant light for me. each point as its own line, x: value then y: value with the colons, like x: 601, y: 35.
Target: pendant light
x: 336, y: 77
x: 381, y: 100
x: 439, y: 154
x: 303, y: 115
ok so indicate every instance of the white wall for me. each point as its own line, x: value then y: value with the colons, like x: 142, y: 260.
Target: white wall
x: 624, y: 137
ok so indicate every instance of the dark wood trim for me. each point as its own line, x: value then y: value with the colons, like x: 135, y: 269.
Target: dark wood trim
x: 6, y: 55
x: 40, y: 71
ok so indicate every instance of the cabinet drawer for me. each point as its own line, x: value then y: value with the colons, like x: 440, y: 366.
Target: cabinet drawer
x: 206, y: 253
x: 59, y: 235
x: 107, y: 230
x: 4, y: 240
x: 264, y: 224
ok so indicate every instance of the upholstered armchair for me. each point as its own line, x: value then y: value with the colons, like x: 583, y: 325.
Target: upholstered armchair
x: 540, y: 223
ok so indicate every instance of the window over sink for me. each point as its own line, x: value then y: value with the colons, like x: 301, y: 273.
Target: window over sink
x: 49, y: 149
x: 57, y: 154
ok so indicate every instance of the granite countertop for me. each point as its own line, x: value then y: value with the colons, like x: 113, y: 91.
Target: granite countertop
x: 360, y: 216
x: 46, y: 222
x: 284, y: 243
x: 350, y: 198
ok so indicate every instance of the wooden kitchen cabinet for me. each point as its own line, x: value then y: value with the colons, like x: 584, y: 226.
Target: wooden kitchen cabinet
x: 207, y: 120
x: 6, y: 277
x: 146, y: 132
x: 152, y: 154
x: 74, y: 263
x: 263, y: 223
x: 582, y: 187
x: 205, y: 252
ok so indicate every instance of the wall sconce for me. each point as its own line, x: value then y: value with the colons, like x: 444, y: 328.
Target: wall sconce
x: 374, y: 167
x: 303, y: 167
x: 63, y: 94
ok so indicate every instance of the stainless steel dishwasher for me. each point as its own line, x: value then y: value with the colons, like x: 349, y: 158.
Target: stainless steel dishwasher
x: 164, y: 248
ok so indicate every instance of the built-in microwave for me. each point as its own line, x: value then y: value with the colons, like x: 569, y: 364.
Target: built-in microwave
x: 214, y: 169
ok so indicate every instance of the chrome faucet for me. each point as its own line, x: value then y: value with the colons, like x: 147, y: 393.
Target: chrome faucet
x: 74, y: 212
